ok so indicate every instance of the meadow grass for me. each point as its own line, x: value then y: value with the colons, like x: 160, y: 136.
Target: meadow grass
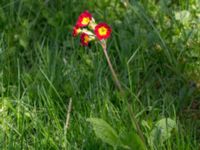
x: 154, y: 49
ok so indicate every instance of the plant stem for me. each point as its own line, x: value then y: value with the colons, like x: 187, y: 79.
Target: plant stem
x: 132, y: 115
x: 117, y: 82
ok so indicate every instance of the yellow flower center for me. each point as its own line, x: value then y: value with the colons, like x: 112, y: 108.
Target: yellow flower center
x: 102, y: 31
x: 78, y: 30
x: 85, y: 20
x: 86, y: 39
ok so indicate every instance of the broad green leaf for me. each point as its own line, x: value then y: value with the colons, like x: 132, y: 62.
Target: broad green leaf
x: 182, y: 16
x: 105, y: 132
x: 162, y: 131
x: 132, y: 141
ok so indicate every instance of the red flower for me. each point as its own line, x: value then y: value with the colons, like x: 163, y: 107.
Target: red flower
x: 84, y: 19
x: 85, y: 39
x: 76, y: 31
x: 102, y: 31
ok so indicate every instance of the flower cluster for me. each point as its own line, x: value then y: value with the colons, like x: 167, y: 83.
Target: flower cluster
x: 85, y: 22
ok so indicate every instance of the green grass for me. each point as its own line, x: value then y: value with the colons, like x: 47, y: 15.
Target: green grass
x: 154, y: 49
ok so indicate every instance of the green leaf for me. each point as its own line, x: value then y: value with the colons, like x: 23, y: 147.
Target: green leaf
x: 105, y: 132
x: 183, y: 16
x: 162, y: 131
x: 131, y: 141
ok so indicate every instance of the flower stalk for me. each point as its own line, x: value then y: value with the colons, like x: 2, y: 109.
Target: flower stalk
x: 117, y: 82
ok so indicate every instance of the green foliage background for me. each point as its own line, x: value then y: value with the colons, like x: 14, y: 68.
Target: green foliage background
x: 154, y: 48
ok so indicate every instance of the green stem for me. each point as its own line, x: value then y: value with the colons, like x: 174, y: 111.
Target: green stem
x: 132, y: 115
x: 118, y: 84
x: 111, y: 68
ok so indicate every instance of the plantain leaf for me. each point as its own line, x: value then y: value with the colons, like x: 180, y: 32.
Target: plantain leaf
x: 132, y: 141
x: 162, y: 131
x: 183, y: 16
x: 105, y: 132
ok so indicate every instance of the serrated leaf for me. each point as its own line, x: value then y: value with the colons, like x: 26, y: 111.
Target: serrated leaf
x: 105, y: 132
